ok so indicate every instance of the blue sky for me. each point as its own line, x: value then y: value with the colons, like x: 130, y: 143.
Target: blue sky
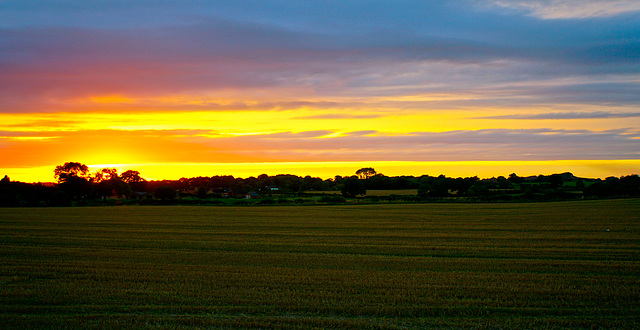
x: 288, y: 41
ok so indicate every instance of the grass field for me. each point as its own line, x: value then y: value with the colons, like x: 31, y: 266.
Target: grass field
x: 553, y: 265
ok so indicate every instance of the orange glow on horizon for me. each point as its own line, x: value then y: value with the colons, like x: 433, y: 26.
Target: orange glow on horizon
x: 325, y: 170
x: 315, y: 138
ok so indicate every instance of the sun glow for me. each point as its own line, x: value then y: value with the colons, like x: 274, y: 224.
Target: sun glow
x: 255, y: 140
x: 326, y: 170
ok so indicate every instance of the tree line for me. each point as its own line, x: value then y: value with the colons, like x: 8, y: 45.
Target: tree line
x: 76, y: 185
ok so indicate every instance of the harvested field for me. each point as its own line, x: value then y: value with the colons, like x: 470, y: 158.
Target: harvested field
x: 562, y: 265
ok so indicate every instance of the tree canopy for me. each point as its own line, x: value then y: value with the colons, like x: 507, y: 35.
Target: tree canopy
x: 131, y: 176
x: 352, y: 187
x: 106, y: 174
x: 366, y: 173
x: 69, y: 170
x: 76, y: 186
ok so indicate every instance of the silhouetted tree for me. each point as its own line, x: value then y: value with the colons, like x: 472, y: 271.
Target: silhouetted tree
x: 504, y: 183
x: 133, y: 180
x: 338, y: 179
x: 630, y: 185
x: 440, y: 187
x: 131, y: 176
x: 310, y: 183
x: 423, y: 190
x: 352, y: 187
x: 105, y: 174
x: 555, y: 180
x: 365, y: 173
x: 478, y: 190
x: 109, y: 183
x: 379, y: 181
x: 73, y: 178
x: 70, y: 170
x: 75, y: 181
x: 514, y: 178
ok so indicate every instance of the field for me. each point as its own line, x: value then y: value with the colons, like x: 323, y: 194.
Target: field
x: 386, y: 266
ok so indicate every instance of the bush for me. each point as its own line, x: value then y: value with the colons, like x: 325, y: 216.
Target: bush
x: 352, y: 187
x: 332, y: 199
x: 374, y: 199
x: 165, y: 193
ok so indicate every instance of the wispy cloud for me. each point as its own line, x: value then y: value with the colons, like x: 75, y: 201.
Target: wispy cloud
x: 193, y: 146
x: 567, y: 115
x: 339, y: 116
x: 489, y: 144
x: 568, y: 9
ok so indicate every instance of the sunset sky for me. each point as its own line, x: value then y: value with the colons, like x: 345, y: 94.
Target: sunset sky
x: 244, y: 87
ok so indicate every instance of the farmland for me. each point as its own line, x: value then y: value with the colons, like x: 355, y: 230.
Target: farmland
x: 555, y: 265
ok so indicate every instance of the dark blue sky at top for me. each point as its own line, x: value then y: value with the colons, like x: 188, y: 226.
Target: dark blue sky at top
x: 385, y: 23
x: 346, y: 46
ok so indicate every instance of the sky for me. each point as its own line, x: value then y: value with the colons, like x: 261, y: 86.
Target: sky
x: 322, y: 88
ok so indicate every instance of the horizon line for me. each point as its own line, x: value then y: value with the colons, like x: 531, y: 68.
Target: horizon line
x: 157, y: 171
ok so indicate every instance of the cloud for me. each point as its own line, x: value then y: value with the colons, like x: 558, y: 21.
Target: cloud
x: 339, y: 116
x: 360, y: 133
x: 292, y: 136
x: 201, y: 146
x: 571, y: 9
x: 293, y: 49
x: 567, y: 115
x: 26, y: 135
x: 488, y: 144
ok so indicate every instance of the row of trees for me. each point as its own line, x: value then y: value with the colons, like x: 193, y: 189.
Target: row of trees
x: 75, y: 182
x: 75, y: 179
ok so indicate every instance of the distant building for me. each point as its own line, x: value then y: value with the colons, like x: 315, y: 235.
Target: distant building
x: 251, y: 195
x: 140, y: 195
x: 220, y: 191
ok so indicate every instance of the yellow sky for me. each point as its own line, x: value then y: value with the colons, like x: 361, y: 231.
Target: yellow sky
x: 393, y: 115
x: 306, y: 141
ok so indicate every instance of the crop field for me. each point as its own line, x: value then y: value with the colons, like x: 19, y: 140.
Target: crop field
x: 385, y: 266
